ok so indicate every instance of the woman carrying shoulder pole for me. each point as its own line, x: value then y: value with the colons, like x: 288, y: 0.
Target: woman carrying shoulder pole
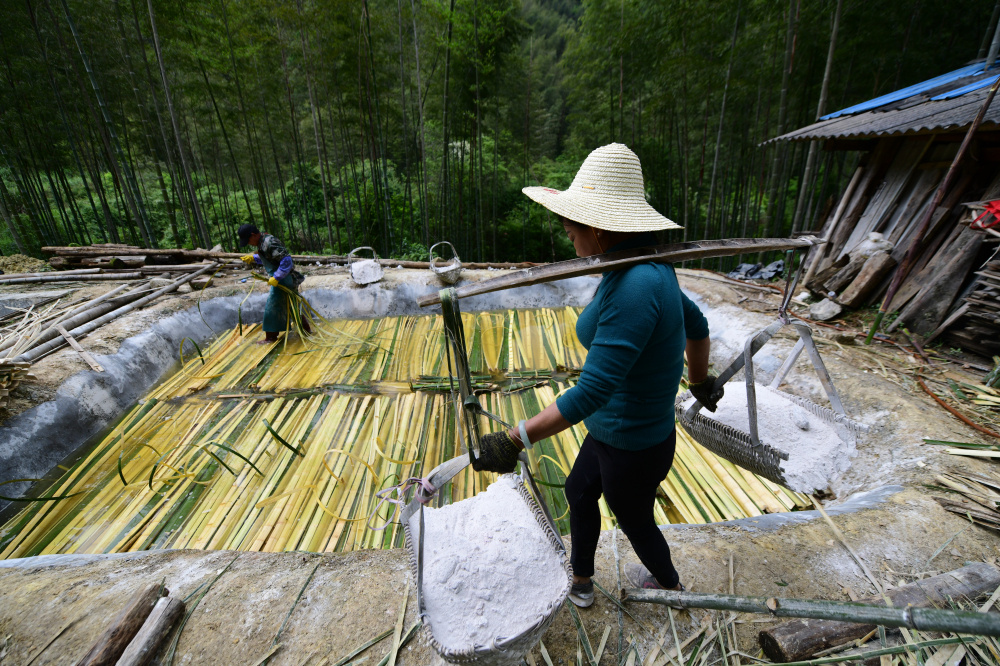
x: 637, y: 331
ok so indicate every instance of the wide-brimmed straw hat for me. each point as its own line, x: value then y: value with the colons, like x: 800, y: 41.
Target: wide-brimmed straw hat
x: 606, y: 193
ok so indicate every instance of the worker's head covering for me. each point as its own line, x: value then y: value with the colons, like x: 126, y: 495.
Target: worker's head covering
x: 245, y: 232
x: 606, y: 193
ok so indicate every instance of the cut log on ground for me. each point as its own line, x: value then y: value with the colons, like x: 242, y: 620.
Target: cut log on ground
x: 843, y: 612
x: 77, y: 271
x: 112, y: 643
x: 816, y: 284
x: 127, y: 261
x: 875, y: 269
x: 74, y: 277
x: 81, y: 330
x: 931, y: 304
x: 800, y: 639
x: 845, y: 275
x: 95, y: 308
x: 70, y: 257
x: 159, y: 623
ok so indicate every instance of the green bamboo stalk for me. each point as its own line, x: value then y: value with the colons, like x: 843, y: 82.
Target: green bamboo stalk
x: 923, y: 619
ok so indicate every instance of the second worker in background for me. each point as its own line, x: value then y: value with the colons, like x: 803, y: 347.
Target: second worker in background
x: 278, y: 264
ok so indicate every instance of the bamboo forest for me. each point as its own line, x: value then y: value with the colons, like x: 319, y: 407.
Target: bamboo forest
x: 399, y: 123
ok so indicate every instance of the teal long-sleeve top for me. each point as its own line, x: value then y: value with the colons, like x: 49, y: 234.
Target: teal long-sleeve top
x: 635, y: 331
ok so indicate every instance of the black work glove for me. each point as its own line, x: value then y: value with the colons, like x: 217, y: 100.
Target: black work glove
x: 706, y: 393
x: 497, y: 453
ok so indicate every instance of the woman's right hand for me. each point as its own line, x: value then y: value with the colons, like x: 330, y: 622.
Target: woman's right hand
x: 248, y: 260
x: 706, y: 393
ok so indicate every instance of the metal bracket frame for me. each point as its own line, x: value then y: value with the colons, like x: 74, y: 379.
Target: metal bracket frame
x: 757, y: 341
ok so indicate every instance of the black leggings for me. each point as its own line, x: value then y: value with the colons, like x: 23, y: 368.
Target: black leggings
x: 628, y: 480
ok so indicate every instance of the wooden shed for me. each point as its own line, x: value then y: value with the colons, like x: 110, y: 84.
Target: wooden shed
x: 908, y: 140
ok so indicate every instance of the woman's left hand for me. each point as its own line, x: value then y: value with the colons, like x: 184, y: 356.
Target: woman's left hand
x: 497, y: 453
x: 273, y: 281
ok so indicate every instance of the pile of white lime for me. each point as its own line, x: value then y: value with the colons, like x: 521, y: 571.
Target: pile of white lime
x: 490, y: 571
x: 818, y: 451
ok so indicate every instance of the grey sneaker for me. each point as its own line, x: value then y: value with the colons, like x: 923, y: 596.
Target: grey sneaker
x: 639, y: 576
x: 582, y: 594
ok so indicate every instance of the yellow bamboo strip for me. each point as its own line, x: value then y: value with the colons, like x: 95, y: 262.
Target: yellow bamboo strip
x: 49, y: 512
x: 736, y: 491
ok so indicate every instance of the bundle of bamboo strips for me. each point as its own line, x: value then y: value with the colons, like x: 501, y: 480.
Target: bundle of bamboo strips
x: 976, y: 496
x: 11, y: 376
x: 192, y: 468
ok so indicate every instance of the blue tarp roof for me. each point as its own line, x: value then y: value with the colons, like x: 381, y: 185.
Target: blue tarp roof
x: 925, y: 86
x: 958, y: 92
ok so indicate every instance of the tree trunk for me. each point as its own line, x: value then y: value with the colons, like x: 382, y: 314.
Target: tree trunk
x: 445, y: 199
x: 70, y: 134
x: 225, y: 134
x: 130, y: 187
x: 303, y: 206
x: 402, y: 110
x: 168, y: 154
x: 722, y: 117
x: 316, y: 130
x: 379, y: 138
x: 820, y: 109
x: 261, y: 188
x: 11, y: 223
x: 425, y: 202
x: 777, y: 163
x: 198, y: 215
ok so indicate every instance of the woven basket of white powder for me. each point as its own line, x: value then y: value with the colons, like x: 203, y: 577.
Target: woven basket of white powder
x: 494, y: 574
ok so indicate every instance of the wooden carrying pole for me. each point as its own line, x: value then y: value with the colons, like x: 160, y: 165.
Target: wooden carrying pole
x: 915, y: 245
x: 612, y: 261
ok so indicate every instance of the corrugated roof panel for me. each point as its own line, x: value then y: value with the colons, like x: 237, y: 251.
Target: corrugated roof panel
x: 966, y: 89
x: 916, y: 89
x: 944, y: 114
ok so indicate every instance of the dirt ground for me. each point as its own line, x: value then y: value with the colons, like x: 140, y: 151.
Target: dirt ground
x: 354, y: 597
x: 351, y: 598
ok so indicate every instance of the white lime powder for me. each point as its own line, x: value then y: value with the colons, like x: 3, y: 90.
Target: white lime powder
x: 817, y: 451
x: 490, y: 571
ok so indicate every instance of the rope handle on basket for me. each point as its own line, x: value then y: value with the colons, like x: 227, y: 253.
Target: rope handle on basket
x: 425, y: 493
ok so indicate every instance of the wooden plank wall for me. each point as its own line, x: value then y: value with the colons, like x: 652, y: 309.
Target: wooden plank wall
x: 890, y: 194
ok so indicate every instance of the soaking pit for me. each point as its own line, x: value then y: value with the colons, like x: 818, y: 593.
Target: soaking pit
x: 361, y: 417
x: 284, y: 447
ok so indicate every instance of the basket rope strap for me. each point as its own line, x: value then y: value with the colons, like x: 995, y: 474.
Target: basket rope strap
x: 425, y: 493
